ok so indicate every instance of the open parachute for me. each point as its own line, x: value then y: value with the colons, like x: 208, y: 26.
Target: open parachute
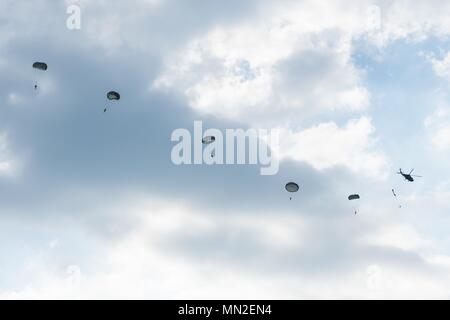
x: 354, y: 197
x: 292, y: 187
x: 208, y: 140
x: 40, y: 66
x: 113, y: 95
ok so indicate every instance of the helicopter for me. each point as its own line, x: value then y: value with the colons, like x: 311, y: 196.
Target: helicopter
x: 409, y: 177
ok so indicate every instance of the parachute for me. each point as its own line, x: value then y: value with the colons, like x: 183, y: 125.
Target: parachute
x: 292, y: 187
x: 112, y: 95
x: 40, y: 66
x: 208, y: 140
x: 354, y: 197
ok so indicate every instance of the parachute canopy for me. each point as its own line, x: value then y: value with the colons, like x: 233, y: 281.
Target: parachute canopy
x: 292, y: 187
x: 112, y: 95
x: 40, y: 66
x: 208, y: 140
x: 354, y: 197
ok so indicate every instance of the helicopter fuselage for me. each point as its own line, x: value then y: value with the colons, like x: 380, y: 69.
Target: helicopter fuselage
x: 408, y: 177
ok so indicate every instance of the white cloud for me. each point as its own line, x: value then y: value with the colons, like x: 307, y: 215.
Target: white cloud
x: 442, y: 138
x: 438, y: 123
x: 441, y: 66
x: 441, y: 194
x: 294, y: 63
x: 413, y: 20
x: 326, y: 145
x: 298, y: 61
x: 142, y: 263
x: 438, y: 126
x: 7, y: 167
x: 152, y: 260
x: 399, y: 236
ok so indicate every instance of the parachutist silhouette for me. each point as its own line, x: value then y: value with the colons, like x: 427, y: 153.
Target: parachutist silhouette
x: 42, y: 66
x: 354, y: 197
x: 209, y: 140
x: 292, y: 187
x: 112, y: 96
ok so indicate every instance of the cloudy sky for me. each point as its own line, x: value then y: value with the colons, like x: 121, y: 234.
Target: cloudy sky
x: 91, y: 205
